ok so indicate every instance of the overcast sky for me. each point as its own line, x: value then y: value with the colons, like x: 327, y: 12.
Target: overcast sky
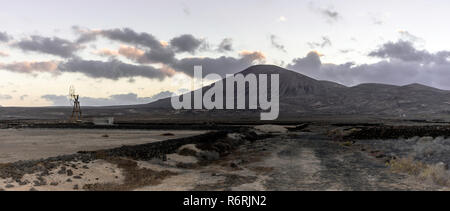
x: 136, y: 51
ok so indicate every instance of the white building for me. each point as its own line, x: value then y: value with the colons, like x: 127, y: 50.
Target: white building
x: 103, y: 121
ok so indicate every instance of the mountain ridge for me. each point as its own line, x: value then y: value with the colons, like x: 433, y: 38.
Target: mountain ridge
x: 302, y: 94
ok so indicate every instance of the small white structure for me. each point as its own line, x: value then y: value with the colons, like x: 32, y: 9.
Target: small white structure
x: 103, y: 121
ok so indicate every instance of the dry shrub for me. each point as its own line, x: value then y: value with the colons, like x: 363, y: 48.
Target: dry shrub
x: 407, y: 165
x: 437, y: 173
x: 339, y: 134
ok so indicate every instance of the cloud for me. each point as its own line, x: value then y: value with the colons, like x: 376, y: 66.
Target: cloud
x: 377, y: 20
x: 402, y: 65
x: 275, y: 44
x: 405, y: 35
x: 149, y: 50
x: 226, y: 45
x: 142, y: 48
x: 113, y: 100
x: 22, y: 98
x: 113, y: 69
x: 5, y: 97
x: 186, y: 43
x: 329, y: 14
x: 3, y: 54
x: 186, y: 9
x: 85, y: 35
x: 164, y: 55
x: 324, y: 43
x: 344, y: 51
x: 54, y: 46
x: 252, y: 56
x: 31, y: 67
x: 133, y: 53
x: 405, y: 51
x: 222, y: 65
x: 106, y: 53
x: 310, y: 63
x: 4, y: 37
x: 127, y: 35
x: 157, y: 51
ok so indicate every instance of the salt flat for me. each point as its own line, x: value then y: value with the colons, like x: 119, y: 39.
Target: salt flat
x: 29, y: 144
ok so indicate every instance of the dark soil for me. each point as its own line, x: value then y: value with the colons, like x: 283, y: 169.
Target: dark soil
x: 393, y: 132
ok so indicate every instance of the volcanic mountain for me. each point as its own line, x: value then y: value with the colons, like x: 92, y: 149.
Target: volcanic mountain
x: 302, y: 95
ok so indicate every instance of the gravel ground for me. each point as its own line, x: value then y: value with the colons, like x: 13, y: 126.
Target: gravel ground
x: 244, y: 160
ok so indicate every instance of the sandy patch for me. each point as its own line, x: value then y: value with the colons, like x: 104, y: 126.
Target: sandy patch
x: 96, y: 171
x: 271, y: 129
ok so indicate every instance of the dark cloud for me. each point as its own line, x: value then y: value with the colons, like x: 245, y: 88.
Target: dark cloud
x: 157, y: 53
x: 330, y: 14
x: 127, y: 35
x: 310, y: 63
x: 113, y: 69
x: 275, y: 44
x: 405, y: 51
x: 149, y: 50
x: 324, y: 43
x: 404, y: 65
x: 222, y: 65
x: 84, y: 34
x: 186, y: 43
x: 113, y: 100
x: 142, y: 48
x: 164, y: 55
x: 54, y: 46
x: 4, y: 37
x: 225, y: 45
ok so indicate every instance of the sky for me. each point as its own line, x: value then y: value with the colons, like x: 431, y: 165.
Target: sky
x: 138, y: 51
